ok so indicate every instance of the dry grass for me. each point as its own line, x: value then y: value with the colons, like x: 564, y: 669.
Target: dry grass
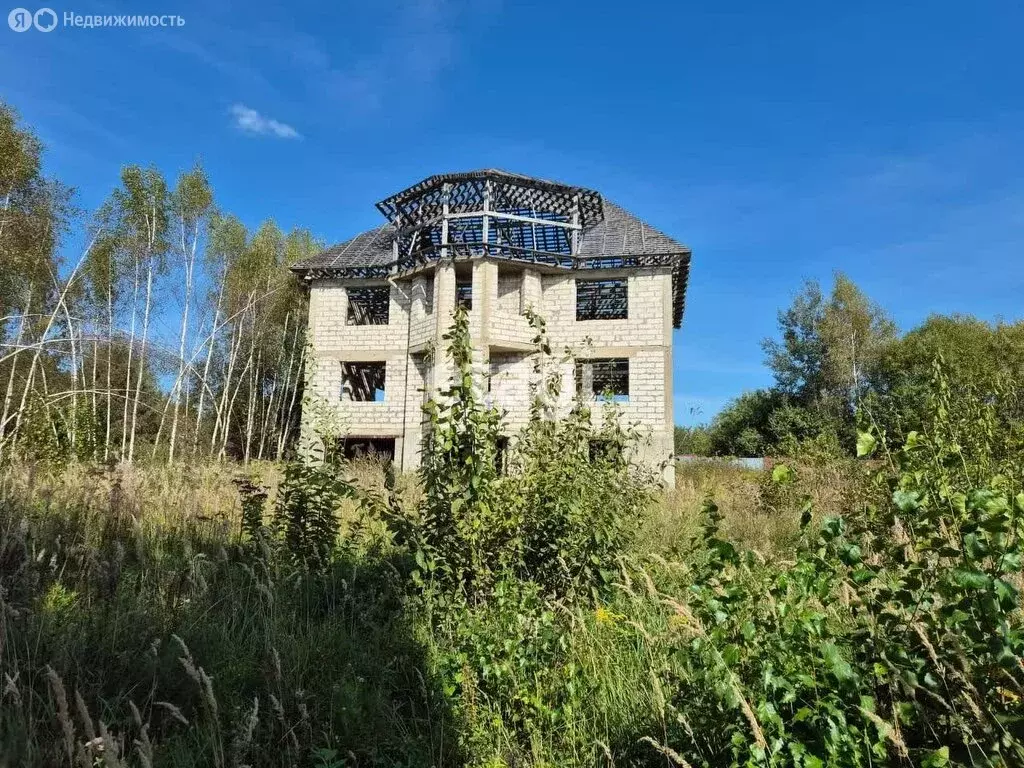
x: 154, y: 497
x: 754, y: 513
x: 112, y: 578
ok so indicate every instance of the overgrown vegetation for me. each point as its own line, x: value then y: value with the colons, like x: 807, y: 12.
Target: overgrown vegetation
x: 568, y: 611
x: 564, y: 613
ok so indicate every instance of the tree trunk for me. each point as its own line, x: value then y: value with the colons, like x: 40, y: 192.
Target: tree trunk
x: 142, y: 360
x: 9, y: 394
x: 128, y: 371
x: 110, y: 345
x: 287, y: 415
x: 205, y: 383
x: 189, y: 265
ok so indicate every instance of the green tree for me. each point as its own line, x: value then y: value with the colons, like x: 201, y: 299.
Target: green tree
x: 977, y: 356
x: 265, y: 315
x: 34, y: 214
x: 854, y: 333
x: 692, y: 441
x: 797, y: 359
x: 192, y: 204
x: 828, y: 354
x: 743, y: 428
x: 137, y: 217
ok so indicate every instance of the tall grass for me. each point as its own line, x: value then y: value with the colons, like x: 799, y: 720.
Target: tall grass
x: 128, y: 589
x: 819, y: 613
x: 138, y: 629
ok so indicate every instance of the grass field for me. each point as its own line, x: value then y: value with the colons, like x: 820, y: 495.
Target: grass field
x: 141, y: 626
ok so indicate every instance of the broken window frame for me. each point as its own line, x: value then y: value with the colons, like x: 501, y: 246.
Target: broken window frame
x: 464, y: 294
x: 369, y: 305
x: 602, y: 299
x: 361, y: 381
x: 603, y: 378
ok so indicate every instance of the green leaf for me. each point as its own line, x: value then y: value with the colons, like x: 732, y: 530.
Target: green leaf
x: 866, y: 444
x: 839, y: 666
x: 971, y: 578
x: 906, y: 501
x: 851, y: 554
x: 749, y: 630
x: 782, y: 474
x: 1010, y: 562
x: 937, y: 759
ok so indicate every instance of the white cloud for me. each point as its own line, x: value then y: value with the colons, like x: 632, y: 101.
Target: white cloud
x: 248, y: 120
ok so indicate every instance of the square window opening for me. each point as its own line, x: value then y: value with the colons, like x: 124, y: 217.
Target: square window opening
x: 602, y: 300
x: 363, y: 382
x: 380, y: 448
x: 369, y: 305
x: 606, y: 378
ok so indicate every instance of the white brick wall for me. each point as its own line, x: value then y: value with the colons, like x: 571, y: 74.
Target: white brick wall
x: 511, y: 374
x: 328, y: 309
x: 362, y: 418
x: 644, y: 326
x: 420, y: 314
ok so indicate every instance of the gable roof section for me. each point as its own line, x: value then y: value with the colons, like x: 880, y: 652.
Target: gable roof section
x: 619, y: 240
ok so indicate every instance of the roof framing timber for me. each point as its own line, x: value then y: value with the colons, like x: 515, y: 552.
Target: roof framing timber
x: 505, y: 216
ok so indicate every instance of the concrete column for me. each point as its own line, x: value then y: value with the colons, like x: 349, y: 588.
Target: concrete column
x: 400, y: 309
x: 531, y: 291
x: 485, y: 299
x: 414, y: 420
x: 444, y: 308
x: 419, y: 299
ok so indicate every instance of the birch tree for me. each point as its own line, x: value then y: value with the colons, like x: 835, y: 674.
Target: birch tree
x: 192, y: 203
x: 140, y: 219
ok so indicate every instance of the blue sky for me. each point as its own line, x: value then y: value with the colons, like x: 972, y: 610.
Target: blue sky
x: 781, y: 141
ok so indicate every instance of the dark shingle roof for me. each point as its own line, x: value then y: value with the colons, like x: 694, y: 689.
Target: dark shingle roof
x: 369, y: 249
x: 617, y: 239
x: 621, y: 233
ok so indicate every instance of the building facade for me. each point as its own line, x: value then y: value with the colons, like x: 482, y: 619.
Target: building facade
x: 608, y: 286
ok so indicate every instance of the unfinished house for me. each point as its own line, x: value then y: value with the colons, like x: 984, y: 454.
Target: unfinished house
x: 609, y: 286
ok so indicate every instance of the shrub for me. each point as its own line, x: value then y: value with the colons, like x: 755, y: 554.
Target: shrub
x: 893, y: 636
x: 562, y: 514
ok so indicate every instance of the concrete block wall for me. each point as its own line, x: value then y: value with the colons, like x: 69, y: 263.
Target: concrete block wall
x: 414, y: 420
x: 420, y: 314
x: 335, y: 342
x: 328, y: 315
x: 511, y: 375
x: 647, y: 312
x: 421, y: 331
x: 365, y: 419
x: 510, y: 291
x: 644, y: 337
